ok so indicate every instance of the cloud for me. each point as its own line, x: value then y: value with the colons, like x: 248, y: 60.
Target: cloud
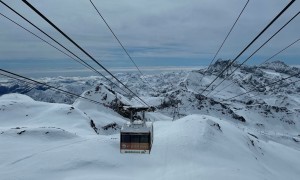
x: 157, y: 29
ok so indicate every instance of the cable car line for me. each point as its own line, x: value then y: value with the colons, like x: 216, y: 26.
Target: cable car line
x: 253, y: 89
x: 118, y: 40
x: 228, y: 66
x: 261, y: 64
x: 254, y: 52
x: 62, y: 46
x: 293, y: 82
x: 44, y: 40
x: 225, y: 39
x: 79, y: 47
x: 84, y: 64
x: 97, y: 72
x: 44, y: 84
x: 31, y: 81
x: 280, y: 51
x: 128, y: 134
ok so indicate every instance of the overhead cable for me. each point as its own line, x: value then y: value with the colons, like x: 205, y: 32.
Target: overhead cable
x: 31, y: 81
x: 46, y: 34
x: 79, y: 47
x: 229, y: 65
x: 116, y: 38
x: 280, y: 51
x: 43, y: 40
x: 253, y: 89
x: 261, y: 63
x: 225, y: 40
x: 255, y: 52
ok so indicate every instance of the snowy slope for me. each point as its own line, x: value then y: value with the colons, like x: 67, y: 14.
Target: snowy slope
x: 22, y: 111
x: 255, y: 136
x: 194, y: 147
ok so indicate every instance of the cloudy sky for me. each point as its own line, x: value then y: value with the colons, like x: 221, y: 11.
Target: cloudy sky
x: 155, y: 32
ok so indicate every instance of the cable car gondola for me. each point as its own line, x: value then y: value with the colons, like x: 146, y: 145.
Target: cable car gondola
x: 136, y: 136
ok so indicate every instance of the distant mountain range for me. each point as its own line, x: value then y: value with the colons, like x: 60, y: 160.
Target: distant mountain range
x: 45, y: 134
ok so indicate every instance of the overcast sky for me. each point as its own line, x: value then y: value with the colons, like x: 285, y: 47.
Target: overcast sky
x: 152, y: 30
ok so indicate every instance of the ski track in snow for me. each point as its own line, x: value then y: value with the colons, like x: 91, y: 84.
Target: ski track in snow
x: 47, y: 150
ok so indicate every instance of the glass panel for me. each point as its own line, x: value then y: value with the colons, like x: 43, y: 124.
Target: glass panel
x: 125, y: 138
x: 144, y: 138
x: 135, y: 139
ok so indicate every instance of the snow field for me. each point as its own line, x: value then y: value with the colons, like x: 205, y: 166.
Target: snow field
x: 192, y: 147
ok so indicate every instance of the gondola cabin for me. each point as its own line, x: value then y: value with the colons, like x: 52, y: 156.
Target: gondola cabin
x: 136, y: 137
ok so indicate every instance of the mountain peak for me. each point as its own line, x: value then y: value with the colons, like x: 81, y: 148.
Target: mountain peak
x: 281, y: 67
x: 276, y: 64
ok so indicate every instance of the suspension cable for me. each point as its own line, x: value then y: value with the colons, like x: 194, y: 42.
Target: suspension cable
x: 60, y: 44
x: 253, y: 89
x: 118, y: 40
x: 31, y: 81
x: 228, y: 66
x: 261, y: 64
x: 43, y: 40
x: 255, y: 52
x: 280, y: 51
x: 225, y: 40
x: 79, y: 47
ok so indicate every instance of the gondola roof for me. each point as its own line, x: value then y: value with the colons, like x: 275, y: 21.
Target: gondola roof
x: 137, y: 127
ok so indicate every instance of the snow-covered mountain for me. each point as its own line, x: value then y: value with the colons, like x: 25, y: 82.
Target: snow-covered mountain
x: 48, y: 135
